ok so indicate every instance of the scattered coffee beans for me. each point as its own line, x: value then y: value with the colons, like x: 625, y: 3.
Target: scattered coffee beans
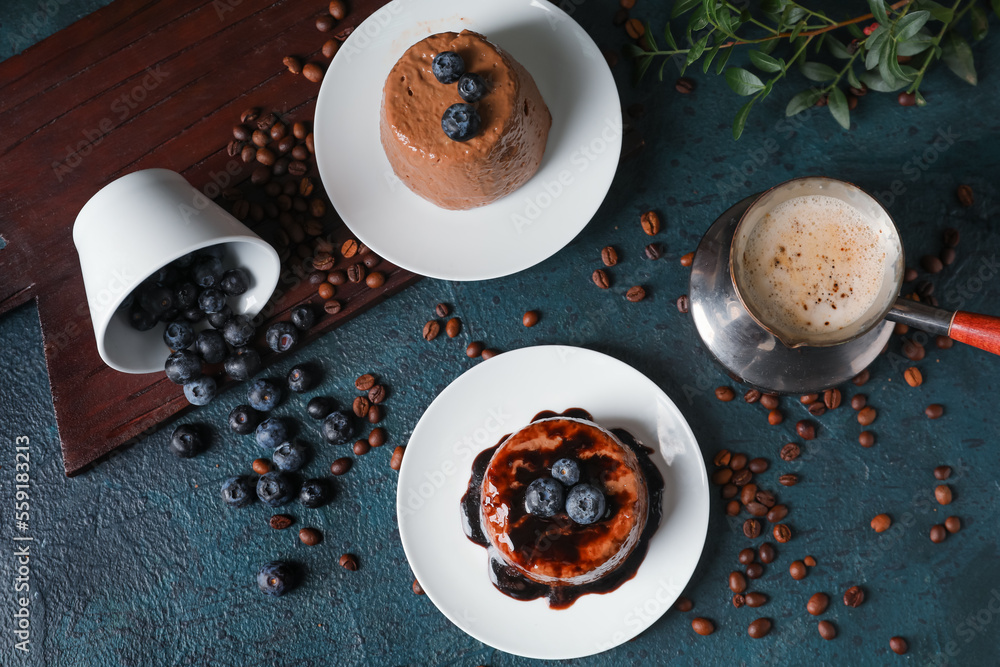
x: 530, y: 318
x: 881, y: 522
x: 806, y: 429
x: 798, y: 570
x: 788, y: 479
x: 898, y: 645
x: 361, y: 447
x: 725, y: 394
x: 827, y: 630
x: 755, y: 599
x: 687, y: 259
x: 609, y: 256
x: 953, y: 524
x: 431, y: 330
x: 867, y: 415
x: 751, y: 527
x: 934, y: 411
x: 774, y: 417
x: 790, y: 452
x: 261, y: 466
x: 752, y: 396
x: 474, y: 349
x: 702, y: 626
x: 600, y: 278
x: 746, y: 556
x: 683, y: 303
x: 683, y: 604
x: 650, y: 221
x: 341, y: 466
x: 377, y: 437
x: 635, y: 294
x: 766, y: 553
x: 818, y: 603
x: 759, y: 628
x: 349, y: 562
x: 281, y: 521
x: 310, y: 536
x: 854, y: 596
x: 777, y: 514
x: 417, y: 588
x: 942, y: 493
x: 365, y: 382
x: 965, y: 196
x: 737, y: 582
x: 942, y: 472
x: 453, y: 327
x: 755, y: 571
x: 397, y: 458
x: 758, y: 466
x: 313, y: 72
x: 861, y: 378
x: 866, y: 439
x: 782, y: 533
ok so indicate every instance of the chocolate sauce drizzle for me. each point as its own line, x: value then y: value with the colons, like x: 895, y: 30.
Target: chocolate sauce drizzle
x: 509, y: 580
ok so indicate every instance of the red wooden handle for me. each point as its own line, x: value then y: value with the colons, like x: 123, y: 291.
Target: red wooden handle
x: 982, y: 331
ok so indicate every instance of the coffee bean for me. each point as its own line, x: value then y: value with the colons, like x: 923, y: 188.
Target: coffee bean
x: 766, y: 553
x: 900, y: 329
x: 609, y: 256
x: 942, y: 472
x: 867, y: 415
x: 684, y: 85
x: 702, y: 626
x: 898, y: 645
x: 722, y: 457
x: 810, y: 561
x: 365, y: 382
x: 722, y: 476
x: 474, y: 349
x: 737, y: 582
x: 683, y: 604
x: 777, y: 513
x: 280, y: 169
x: 854, y: 596
x: 356, y: 272
x: 752, y: 396
x: 767, y: 499
x: 817, y: 409
x: 687, y: 259
x: 431, y: 330
x: 942, y: 493
x: 756, y: 509
x: 650, y: 221
x: 330, y: 48
x: 261, y: 466
x: 683, y: 303
x: 313, y: 72
x: 788, y: 479
x: 755, y: 571
x: 808, y: 399
x: 913, y: 350
x: 725, y: 394
x: 769, y: 401
x: 241, y: 209
x: 748, y: 493
x: 759, y: 628
x: 798, y: 570
x: 530, y: 318
x: 965, y: 196
x: 862, y: 377
x: 931, y: 264
x: 293, y: 64
x: 733, y: 506
x: 360, y: 406
x: 951, y: 237
x: 934, y: 411
x: 827, y: 630
x: 377, y: 394
x: 332, y: 307
x: 372, y: 260
x: 620, y: 16
x: 281, y: 521
x: 738, y: 600
x: 260, y: 175
x: 634, y: 28
x: 635, y: 294
x: 375, y: 414
x: 938, y: 533
x: 242, y: 133
x: 310, y: 536
x: 906, y: 99
x: 326, y: 291
x: 738, y: 462
x: 947, y: 256
x: 818, y: 603
x: 790, y: 452
x: 730, y: 491
x: 755, y: 599
x: 349, y: 562
x: 600, y: 278
x: 806, y: 429
x: 260, y: 138
x: 278, y: 131
x: 742, y: 477
x: 338, y: 9
x: 375, y: 280
x: 953, y: 524
x: 832, y: 398
x: 782, y: 533
x: 248, y: 154
x: 758, y: 465
x: 234, y: 148
x: 774, y: 417
x: 866, y: 439
x: 361, y: 447
x: 250, y: 115
x: 377, y: 437
x: 881, y: 522
x: 265, y: 156
x: 442, y: 310
x: 341, y: 466
x: 913, y: 376
x: 746, y: 556
x: 416, y: 587
x: 397, y: 458
x: 751, y: 528
x: 653, y: 251
x: 859, y: 401
x: 324, y: 23
x: 453, y: 327
x: 323, y: 261
x: 298, y: 168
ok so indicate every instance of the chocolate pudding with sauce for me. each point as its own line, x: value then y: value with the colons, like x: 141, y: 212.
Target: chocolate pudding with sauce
x: 459, y: 175
x: 555, y: 557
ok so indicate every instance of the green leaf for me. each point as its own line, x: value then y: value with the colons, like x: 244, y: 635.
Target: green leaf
x: 886, y: 60
x: 873, y: 45
x: 852, y: 78
x: 818, y: 72
x: 797, y: 29
x: 958, y: 57
x: 696, y: 50
x: 663, y: 67
x: 876, y: 83
x: 770, y: 45
x: 777, y: 6
x: 856, y: 32
x: 710, y: 57
x: 698, y: 20
x: 980, y: 23
x: 837, y: 48
x: 741, y: 118
x: 640, y: 70
x: 764, y: 62
x: 910, y: 25
x: 938, y: 12
x: 669, y: 36
x: 648, y: 39
x: 879, y: 11
x: 634, y: 50
x: 720, y: 64
x: 767, y: 88
x: 837, y: 102
x: 802, y: 101
x: 683, y: 6
x: 912, y: 47
x: 743, y: 82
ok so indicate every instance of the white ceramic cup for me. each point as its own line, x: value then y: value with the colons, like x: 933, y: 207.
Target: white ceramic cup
x: 138, y: 224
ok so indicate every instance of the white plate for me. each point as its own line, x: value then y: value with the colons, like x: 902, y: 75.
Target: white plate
x: 508, y: 235
x: 500, y: 396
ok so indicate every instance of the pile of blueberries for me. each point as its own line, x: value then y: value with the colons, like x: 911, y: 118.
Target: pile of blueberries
x: 460, y: 121
x: 281, y: 485
x: 547, y: 496
x: 190, y: 291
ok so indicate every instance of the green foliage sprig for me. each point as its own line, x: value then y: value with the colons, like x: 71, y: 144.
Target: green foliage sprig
x: 916, y: 32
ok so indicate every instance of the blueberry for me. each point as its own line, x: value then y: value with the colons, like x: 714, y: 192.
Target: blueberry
x: 243, y: 419
x: 200, y: 391
x: 263, y: 395
x: 301, y: 378
x: 460, y: 122
x: 238, y: 491
x: 186, y: 295
x: 207, y: 271
x: 211, y: 346
x: 276, y: 578
x: 243, y: 363
x: 238, y: 331
x: 282, y: 336
x: 140, y: 319
x: 235, y: 282
x: 290, y: 456
x: 276, y: 488
x: 212, y: 300
x: 193, y: 314
x: 315, y: 493
x: 447, y: 67
x: 185, y: 261
x: 186, y: 441
x: 178, y: 335
x: 320, y: 407
x: 156, y: 300
x: 472, y: 87
x: 339, y: 427
x: 167, y: 275
x: 219, y: 319
x: 271, y: 432
x: 171, y: 315
x: 544, y: 497
x: 566, y: 471
x: 182, y: 366
x: 585, y: 503
x: 303, y: 317
x: 217, y: 251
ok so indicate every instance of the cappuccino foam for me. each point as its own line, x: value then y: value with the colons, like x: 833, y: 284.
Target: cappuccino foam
x: 814, y: 264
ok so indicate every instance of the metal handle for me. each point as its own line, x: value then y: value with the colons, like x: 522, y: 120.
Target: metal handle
x: 921, y: 316
x: 982, y: 331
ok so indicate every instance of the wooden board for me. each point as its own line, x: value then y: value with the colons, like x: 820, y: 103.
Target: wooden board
x: 140, y: 84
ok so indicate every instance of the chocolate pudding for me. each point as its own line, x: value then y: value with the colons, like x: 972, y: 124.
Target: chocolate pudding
x: 534, y: 556
x: 502, y: 156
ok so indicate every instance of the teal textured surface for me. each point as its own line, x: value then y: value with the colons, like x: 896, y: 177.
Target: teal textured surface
x: 137, y: 562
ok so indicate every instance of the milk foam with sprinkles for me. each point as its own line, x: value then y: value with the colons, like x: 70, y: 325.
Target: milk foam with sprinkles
x: 814, y: 264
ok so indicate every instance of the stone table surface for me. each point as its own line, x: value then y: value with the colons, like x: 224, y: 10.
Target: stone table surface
x: 137, y: 563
